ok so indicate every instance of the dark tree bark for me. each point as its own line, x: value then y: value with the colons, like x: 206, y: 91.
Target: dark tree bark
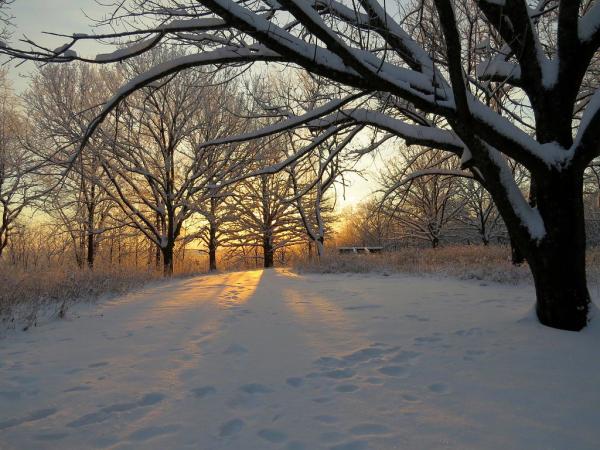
x: 516, y: 256
x: 558, y: 261
x: 91, y: 246
x: 167, y: 257
x: 212, y: 247
x: 268, y: 251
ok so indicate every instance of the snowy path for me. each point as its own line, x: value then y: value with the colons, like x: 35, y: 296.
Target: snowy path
x: 270, y: 360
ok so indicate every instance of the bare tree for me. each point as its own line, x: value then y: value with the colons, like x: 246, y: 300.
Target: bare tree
x: 17, y: 184
x: 479, y: 213
x: 5, y: 21
x: 421, y: 195
x: 158, y: 170
x: 365, y: 225
x: 266, y: 218
x: 60, y: 103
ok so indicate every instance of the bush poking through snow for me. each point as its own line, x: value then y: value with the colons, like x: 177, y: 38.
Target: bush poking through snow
x: 27, y: 297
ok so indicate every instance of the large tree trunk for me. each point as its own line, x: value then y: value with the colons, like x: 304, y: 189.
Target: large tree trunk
x: 320, y: 246
x: 90, y: 249
x: 167, y: 257
x: 3, y: 241
x: 516, y: 256
x: 212, y: 247
x: 267, y: 251
x: 90, y: 237
x: 558, y: 261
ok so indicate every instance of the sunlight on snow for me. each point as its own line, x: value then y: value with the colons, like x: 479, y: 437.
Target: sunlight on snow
x: 236, y: 288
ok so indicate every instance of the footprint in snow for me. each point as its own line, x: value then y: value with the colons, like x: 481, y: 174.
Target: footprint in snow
x: 394, y: 371
x: 10, y: 395
x: 405, y: 356
x: 331, y: 436
x: 23, y: 379
x: 235, y: 349
x: 352, y: 445
x: 416, y: 317
x: 146, y: 433
x: 326, y: 419
x: 78, y: 389
x: 374, y: 380
x: 471, y: 355
x: 329, y: 361
x: 31, y: 417
x: 439, y: 388
x: 365, y: 354
x: 107, y: 412
x: 98, y: 364
x: 366, y: 429
x: 346, y: 388
x: 476, y: 331
x: 295, y: 381
x: 203, y: 391
x: 410, y: 398
x: 231, y: 427
x: 255, y: 388
x: 105, y: 441
x: 50, y: 436
x: 361, y: 307
x: 339, y: 374
x: 427, y: 339
x: 273, y: 436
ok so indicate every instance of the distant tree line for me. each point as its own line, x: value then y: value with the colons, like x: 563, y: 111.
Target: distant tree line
x: 147, y: 190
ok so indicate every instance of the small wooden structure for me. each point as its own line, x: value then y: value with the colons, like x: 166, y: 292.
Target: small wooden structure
x: 359, y: 250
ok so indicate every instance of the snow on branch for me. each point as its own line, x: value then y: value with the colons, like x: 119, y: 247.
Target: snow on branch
x: 356, y: 67
x: 287, y: 124
x: 586, y: 140
x: 499, y: 70
x: 589, y: 24
x: 412, y: 134
x: 517, y: 143
x: 291, y: 159
x: 529, y: 216
x: 129, y: 51
x: 364, y: 62
x: 433, y: 171
x: 379, y: 21
x: 324, y: 164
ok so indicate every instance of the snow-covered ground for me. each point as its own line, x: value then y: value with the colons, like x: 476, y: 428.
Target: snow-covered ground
x: 272, y: 360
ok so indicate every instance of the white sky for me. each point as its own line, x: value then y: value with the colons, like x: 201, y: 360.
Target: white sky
x: 33, y: 17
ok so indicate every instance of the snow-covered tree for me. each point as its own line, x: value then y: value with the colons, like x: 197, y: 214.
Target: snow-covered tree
x: 421, y: 196
x: 264, y: 211
x: 158, y: 171
x: 60, y: 103
x: 365, y: 225
x: 422, y: 88
x: 18, y: 186
x: 479, y: 213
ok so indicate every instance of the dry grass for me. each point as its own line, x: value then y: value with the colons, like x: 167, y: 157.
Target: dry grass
x: 28, y: 297
x: 490, y: 263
